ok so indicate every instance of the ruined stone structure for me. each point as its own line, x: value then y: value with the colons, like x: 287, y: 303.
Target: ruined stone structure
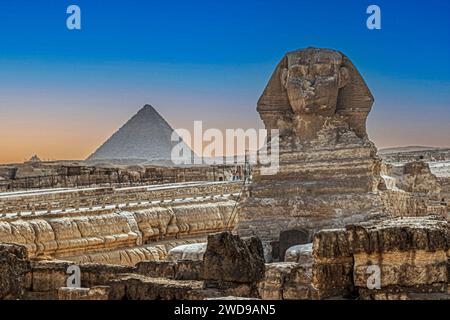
x: 408, y: 154
x: 70, y: 174
x: 435, y: 169
x: 409, y: 254
x: 22, y: 278
x: 129, y: 225
x: 329, y: 173
x: 36, y: 202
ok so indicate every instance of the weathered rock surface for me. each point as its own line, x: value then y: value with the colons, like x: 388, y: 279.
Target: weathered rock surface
x: 47, y: 277
x: 189, y: 270
x: 193, y: 252
x: 287, y: 281
x: 333, y: 264
x: 179, y: 270
x: 137, y: 287
x: 300, y: 253
x: 411, y: 254
x: 121, y: 237
x: 94, y: 293
x: 424, y: 171
x: 14, y: 269
x: 130, y: 256
x: 149, y: 280
x: 228, y: 258
x: 412, y: 153
x: 73, y: 174
x: 417, y: 178
x: 412, y: 189
x: 156, y: 269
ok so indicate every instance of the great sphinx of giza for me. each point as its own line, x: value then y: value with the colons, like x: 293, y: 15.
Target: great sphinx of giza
x: 328, y: 169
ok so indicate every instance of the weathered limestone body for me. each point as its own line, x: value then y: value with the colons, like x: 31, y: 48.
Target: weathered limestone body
x: 228, y: 258
x: 125, y: 235
x: 398, y: 258
x: 14, y: 267
x: 410, y: 253
x: 411, y: 189
x: 329, y: 172
x: 193, y: 252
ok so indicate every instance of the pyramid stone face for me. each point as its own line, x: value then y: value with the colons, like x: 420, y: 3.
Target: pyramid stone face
x: 146, y: 136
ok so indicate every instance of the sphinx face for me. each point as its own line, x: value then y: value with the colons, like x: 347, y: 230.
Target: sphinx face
x: 313, y: 81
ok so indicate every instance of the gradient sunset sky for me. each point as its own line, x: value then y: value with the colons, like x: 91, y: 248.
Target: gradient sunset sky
x: 63, y: 93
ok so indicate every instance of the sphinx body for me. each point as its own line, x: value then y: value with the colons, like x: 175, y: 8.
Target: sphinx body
x: 328, y: 171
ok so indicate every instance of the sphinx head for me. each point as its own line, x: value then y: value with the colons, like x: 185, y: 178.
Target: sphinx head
x: 315, y: 82
x: 312, y: 80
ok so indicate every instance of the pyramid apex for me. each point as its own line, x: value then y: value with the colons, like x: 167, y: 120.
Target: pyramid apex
x: 148, y: 106
x: 148, y: 109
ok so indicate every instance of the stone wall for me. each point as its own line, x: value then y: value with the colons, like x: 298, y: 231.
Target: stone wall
x: 38, y: 175
x: 122, y: 236
x: 14, y: 271
x: 408, y: 156
x: 445, y: 191
x: 75, y: 198
x: 399, y: 258
x: 147, y: 280
x: 399, y: 203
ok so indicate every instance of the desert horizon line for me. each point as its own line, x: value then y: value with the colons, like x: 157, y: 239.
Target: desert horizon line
x: 390, y: 148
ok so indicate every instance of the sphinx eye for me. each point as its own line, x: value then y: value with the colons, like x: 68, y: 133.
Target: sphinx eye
x: 298, y: 69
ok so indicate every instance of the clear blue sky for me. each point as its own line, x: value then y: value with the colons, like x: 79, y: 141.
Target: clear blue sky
x: 209, y: 60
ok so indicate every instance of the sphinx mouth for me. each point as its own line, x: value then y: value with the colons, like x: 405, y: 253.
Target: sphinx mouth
x: 316, y: 107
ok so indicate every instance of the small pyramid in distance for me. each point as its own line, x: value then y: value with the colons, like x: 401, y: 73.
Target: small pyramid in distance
x: 146, y: 136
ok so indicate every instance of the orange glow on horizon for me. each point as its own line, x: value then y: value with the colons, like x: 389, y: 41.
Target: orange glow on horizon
x: 50, y: 141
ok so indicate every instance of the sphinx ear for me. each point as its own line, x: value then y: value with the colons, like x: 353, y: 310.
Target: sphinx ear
x: 283, y: 77
x: 343, y: 77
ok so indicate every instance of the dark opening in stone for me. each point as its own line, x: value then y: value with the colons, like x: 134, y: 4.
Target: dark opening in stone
x: 289, y: 238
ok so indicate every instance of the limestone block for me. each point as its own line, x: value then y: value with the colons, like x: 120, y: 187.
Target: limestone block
x: 156, y: 269
x: 332, y: 269
x: 299, y: 253
x: 418, y: 178
x: 137, y: 287
x: 189, y: 270
x: 95, y: 274
x: 94, y: 293
x: 120, y: 236
x: 153, y: 222
x: 14, y: 271
x: 411, y: 254
x: 193, y: 252
x: 49, y: 276
x: 228, y: 258
x: 286, y: 281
